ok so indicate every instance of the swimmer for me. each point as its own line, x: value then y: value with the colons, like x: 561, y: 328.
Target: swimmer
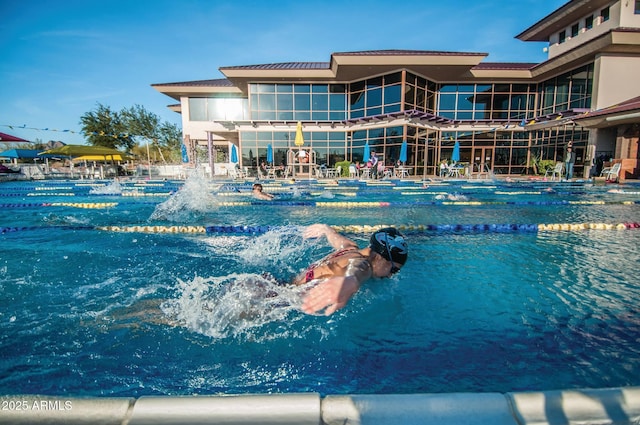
x: 341, y: 273
x: 259, y: 194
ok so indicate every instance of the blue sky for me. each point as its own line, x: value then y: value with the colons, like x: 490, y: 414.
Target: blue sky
x: 61, y: 58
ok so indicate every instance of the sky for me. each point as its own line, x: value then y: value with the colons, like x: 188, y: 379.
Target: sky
x: 61, y: 59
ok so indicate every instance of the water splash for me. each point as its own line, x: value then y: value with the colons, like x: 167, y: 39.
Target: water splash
x: 195, y: 197
x: 113, y: 188
x: 279, y: 249
x: 237, y: 305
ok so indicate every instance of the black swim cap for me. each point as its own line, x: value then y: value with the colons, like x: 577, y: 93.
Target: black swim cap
x: 390, y: 243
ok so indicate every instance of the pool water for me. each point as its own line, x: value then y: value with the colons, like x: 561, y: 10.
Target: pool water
x: 90, y: 310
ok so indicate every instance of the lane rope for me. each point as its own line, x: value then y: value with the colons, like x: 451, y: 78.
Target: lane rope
x: 412, y: 229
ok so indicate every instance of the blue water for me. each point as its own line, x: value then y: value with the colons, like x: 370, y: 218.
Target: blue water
x: 90, y: 312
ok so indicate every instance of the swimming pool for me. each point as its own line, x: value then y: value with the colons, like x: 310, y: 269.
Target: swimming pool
x: 156, y: 288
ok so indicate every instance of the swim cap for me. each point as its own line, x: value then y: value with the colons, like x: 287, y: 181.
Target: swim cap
x: 390, y: 243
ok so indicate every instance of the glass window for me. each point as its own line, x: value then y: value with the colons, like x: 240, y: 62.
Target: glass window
x: 285, y: 115
x: 302, y: 88
x: 235, y: 109
x: 320, y: 102
x: 197, y: 109
x: 392, y: 94
x: 319, y: 88
x: 374, y: 111
x: 588, y: 23
x: 394, y: 78
x: 636, y: 9
x: 448, y: 88
x: 392, y: 108
x: 357, y: 100
x: 337, y: 88
x: 302, y: 102
x: 267, y: 102
x: 357, y: 86
x: 465, y: 102
x: 373, y: 83
x: 266, y: 88
x: 302, y: 115
x: 605, y: 14
x: 285, y: 102
x: 447, y: 101
x: 410, y: 97
x: 337, y: 102
x: 337, y: 115
x: 562, y: 37
x: 320, y: 115
x: 374, y: 97
x: 284, y: 88
x: 574, y: 30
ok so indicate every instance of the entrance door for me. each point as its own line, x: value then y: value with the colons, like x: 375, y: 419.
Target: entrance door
x: 482, y: 160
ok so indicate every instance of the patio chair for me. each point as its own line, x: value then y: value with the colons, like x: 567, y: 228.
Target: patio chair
x: 555, y: 171
x: 611, y: 173
x: 353, y: 172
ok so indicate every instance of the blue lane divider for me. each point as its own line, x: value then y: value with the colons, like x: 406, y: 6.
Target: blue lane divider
x: 354, y: 229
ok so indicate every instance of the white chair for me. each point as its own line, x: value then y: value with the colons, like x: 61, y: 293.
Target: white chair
x: 353, y: 172
x: 555, y: 171
x: 611, y: 173
x: 366, y: 173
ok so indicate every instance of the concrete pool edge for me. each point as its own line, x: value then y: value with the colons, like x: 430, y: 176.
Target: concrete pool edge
x: 588, y: 406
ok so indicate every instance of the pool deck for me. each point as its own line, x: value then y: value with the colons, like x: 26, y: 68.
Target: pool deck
x: 618, y: 406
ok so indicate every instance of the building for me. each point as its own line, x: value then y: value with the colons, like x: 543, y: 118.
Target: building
x: 504, y: 116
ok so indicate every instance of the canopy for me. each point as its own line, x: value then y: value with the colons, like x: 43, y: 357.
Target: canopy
x: 74, y: 151
x: 21, y: 154
x: 97, y: 158
x: 4, y: 137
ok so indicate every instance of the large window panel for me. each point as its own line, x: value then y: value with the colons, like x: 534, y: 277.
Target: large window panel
x: 447, y: 102
x: 374, y: 97
x: 320, y: 102
x: 302, y: 102
x: 392, y: 94
x: 197, y: 109
x: 285, y: 102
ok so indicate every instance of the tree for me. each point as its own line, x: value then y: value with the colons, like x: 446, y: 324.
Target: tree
x: 129, y: 128
x: 103, y: 127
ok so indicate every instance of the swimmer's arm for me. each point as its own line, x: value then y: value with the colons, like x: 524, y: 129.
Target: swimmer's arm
x: 334, y: 293
x: 330, y: 295
x: 335, y: 239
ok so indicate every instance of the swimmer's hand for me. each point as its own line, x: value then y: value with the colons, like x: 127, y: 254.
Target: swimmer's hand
x: 330, y: 295
x: 334, y: 238
x: 317, y: 231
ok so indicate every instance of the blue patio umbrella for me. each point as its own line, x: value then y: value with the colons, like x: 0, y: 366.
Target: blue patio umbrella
x: 403, y: 152
x: 455, y: 156
x: 269, y: 153
x: 234, y: 154
x: 367, y: 152
x: 185, y: 155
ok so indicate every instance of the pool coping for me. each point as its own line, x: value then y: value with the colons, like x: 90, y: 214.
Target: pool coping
x: 574, y: 406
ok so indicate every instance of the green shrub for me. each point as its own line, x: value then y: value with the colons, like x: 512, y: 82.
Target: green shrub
x: 344, y: 168
x: 546, y: 164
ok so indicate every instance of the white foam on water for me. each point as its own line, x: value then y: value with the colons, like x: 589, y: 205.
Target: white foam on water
x: 113, y: 188
x: 237, y: 305
x: 195, y: 196
x: 276, y: 249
